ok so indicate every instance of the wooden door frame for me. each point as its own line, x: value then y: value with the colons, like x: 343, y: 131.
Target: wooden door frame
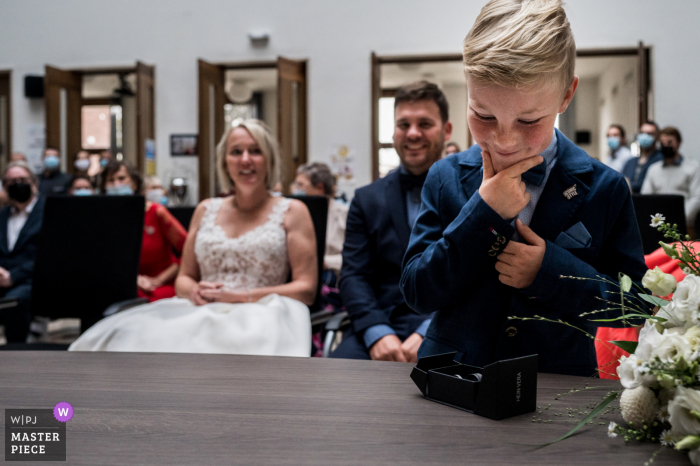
x: 376, y: 61
x: 7, y: 76
x: 643, y: 73
x: 204, y: 161
x: 140, y: 150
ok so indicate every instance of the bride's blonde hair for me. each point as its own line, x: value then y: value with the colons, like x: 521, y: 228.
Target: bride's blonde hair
x: 268, y: 146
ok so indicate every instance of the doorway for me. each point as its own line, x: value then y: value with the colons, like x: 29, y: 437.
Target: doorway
x: 390, y: 73
x: 97, y: 109
x: 272, y: 91
x: 614, y: 88
x: 5, y: 119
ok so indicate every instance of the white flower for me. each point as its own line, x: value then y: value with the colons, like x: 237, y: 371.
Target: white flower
x: 628, y: 371
x: 611, y: 430
x: 663, y: 414
x: 686, y: 299
x: 692, y: 336
x: 671, y: 314
x: 686, y: 270
x: 639, y: 406
x: 649, y: 337
x: 657, y: 220
x: 667, y: 438
x: 682, y: 422
x: 670, y: 347
x: 661, y: 284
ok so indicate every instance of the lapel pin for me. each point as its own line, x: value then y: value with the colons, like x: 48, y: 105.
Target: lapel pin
x: 570, y: 192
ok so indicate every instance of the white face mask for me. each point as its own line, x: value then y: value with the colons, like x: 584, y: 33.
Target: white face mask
x: 155, y: 195
x: 82, y: 164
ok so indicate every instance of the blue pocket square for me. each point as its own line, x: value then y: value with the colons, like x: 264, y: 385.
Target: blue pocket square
x: 574, y: 238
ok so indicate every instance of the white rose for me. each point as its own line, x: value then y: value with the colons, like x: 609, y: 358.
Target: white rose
x: 659, y: 283
x: 692, y: 336
x: 649, y: 337
x: 674, y: 317
x: 628, y: 371
x: 686, y: 299
x: 670, y: 347
x: 682, y: 422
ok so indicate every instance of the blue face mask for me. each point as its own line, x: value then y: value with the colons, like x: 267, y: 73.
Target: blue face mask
x: 51, y: 162
x: 82, y: 192
x: 103, y: 162
x: 645, y: 140
x: 121, y: 190
x: 613, y: 142
x: 298, y: 192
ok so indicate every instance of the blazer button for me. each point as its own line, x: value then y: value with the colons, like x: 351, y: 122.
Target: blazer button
x: 511, y: 331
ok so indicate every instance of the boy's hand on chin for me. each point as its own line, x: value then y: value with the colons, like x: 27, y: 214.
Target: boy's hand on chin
x: 505, y: 191
x: 519, y: 263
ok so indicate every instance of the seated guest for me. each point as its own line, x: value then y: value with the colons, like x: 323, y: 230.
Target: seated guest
x: 82, y: 162
x: 18, y: 157
x: 316, y: 179
x: 451, y: 148
x: 675, y: 174
x: 619, y: 153
x: 53, y: 180
x: 378, y: 228
x: 635, y: 169
x: 20, y: 225
x: 163, y: 235
x: 233, y: 288
x: 81, y: 186
x: 502, y: 222
x: 154, y: 190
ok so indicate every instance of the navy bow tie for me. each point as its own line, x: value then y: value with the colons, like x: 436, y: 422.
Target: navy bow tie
x: 535, y: 175
x: 409, y: 181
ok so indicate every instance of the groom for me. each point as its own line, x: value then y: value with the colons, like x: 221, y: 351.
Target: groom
x: 378, y: 228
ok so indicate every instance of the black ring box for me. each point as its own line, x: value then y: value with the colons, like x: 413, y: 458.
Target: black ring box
x: 507, y: 388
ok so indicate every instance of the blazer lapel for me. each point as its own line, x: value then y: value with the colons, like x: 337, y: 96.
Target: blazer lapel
x: 4, y: 217
x: 564, y: 191
x: 471, y: 174
x: 396, y: 203
x: 34, y: 217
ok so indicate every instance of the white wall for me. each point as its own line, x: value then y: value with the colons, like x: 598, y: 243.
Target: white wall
x: 457, y: 97
x: 337, y: 38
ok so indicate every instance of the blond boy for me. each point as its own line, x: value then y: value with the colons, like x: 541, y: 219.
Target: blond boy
x: 502, y: 222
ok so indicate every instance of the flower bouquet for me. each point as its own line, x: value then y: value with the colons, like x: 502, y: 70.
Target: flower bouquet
x: 661, y: 376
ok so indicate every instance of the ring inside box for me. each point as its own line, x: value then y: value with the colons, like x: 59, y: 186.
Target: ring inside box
x: 459, y: 391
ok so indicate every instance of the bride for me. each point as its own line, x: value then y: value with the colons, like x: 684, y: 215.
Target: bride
x: 233, y: 290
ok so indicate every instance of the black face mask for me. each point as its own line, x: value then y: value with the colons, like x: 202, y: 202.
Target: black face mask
x: 668, y: 152
x: 19, y: 192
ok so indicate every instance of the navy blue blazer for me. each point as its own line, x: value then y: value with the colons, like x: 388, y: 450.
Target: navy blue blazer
x: 376, y: 238
x: 450, y: 263
x: 20, y: 261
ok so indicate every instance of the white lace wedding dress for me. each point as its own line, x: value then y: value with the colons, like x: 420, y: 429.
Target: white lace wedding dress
x: 274, y: 325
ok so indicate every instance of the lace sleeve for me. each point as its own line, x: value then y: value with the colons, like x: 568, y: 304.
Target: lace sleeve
x: 173, y: 232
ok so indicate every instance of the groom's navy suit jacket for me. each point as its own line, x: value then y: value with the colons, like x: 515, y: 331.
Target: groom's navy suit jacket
x: 450, y: 263
x: 376, y: 239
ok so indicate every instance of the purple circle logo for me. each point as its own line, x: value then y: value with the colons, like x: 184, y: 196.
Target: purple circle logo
x: 63, y: 412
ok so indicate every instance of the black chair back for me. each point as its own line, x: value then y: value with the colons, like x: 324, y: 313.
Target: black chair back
x: 671, y: 206
x: 88, y: 255
x: 318, y: 207
x: 183, y: 214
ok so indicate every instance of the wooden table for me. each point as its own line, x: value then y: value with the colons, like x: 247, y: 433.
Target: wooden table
x: 185, y: 409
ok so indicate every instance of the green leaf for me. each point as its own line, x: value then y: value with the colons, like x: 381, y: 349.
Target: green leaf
x: 631, y: 316
x: 593, y: 414
x: 629, y: 346
x: 625, y: 282
x: 654, y: 300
